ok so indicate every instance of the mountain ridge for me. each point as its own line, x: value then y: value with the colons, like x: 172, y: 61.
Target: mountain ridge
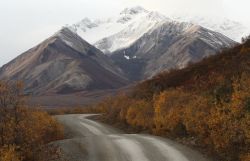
x: 230, y: 28
x: 63, y: 63
x: 172, y: 45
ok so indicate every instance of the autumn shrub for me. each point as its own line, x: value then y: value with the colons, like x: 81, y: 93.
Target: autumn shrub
x: 245, y: 157
x: 74, y: 110
x: 168, y: 108
x: 195, y: 117
x: 9, y: 153
x: 115, y: 109
x: 24, y: 131
x: 140, y: 115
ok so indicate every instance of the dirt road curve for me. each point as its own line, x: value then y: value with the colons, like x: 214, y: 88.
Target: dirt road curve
x: 93, y: 141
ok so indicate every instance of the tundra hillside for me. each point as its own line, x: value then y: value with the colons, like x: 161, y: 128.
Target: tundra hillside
x: 206, y: 105
x: 25, y: 132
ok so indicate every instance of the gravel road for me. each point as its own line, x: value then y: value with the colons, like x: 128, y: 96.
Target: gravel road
x: 94, y: 141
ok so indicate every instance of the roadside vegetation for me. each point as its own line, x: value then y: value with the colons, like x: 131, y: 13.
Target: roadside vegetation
x: 74, y: 110
x: 206, y: 105
x: 25, y: 132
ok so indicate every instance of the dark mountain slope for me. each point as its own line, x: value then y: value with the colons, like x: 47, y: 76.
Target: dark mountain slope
x: 64, y: 63
x: 172, y: 45
x: 229, y: 63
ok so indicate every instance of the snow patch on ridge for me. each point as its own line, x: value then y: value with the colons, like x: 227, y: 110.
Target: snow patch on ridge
x: 127, y: 57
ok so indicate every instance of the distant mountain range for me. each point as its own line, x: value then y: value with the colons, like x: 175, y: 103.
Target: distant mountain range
x: 109, y: 54
x: 130, y: 17
x: 144, y: 43
x: 230, y: 28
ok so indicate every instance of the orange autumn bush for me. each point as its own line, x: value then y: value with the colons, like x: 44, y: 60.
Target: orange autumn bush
x: 24, y: 131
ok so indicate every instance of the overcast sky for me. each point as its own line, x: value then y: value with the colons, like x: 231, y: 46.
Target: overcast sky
x: 25, y: 23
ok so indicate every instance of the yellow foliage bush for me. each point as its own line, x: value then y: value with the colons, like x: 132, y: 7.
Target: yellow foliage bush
x: 168, y: 107
x: 9, y: 153
x: 140, y: 114
x: 27, y: 128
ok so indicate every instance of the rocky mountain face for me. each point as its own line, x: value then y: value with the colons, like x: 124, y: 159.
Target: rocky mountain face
x: 62, y: 64
x: 172, y: 45
x: 144, y: 43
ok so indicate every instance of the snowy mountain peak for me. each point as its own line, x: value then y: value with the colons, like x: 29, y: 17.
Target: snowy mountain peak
x: 157, y: 16
x: 135, y: 27
x: 84, y: 25
x: 64, y: 32
x: 86, y: 20
x: 71, y: 39
x: 191, y: 28
x: 135, y: 20
x: 230, y: 28
x: 133, y: 11
x: 122, y: 30
x: 88, y: 23
x: 129, y: 14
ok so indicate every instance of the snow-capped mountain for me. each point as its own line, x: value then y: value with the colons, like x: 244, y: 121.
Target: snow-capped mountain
x: 230, y: 28
x: 135, y: 30
x: 143, y: 43
x: 129, y: 25
x: 119, y: 32
x: 172, y: 45
x: 95, y: 30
